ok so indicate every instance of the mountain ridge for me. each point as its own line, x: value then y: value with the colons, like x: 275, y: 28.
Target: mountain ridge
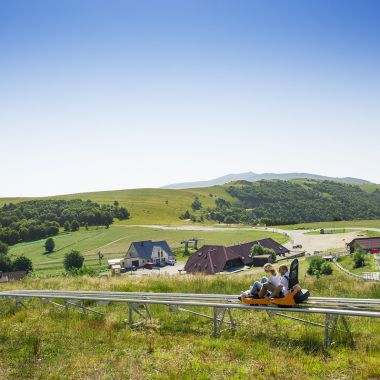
x: 254, y: 177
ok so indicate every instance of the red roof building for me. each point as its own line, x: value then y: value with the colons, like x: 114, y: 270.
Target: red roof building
x: 366, y: 244
x: 211, y: 259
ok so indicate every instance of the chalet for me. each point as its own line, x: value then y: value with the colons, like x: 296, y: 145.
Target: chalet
x: 148, y: 251
x: 211, y: 259
x: 370, y: 245
x: 12, y: 276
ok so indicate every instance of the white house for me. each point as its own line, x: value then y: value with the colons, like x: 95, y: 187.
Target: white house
x: 148, y: 251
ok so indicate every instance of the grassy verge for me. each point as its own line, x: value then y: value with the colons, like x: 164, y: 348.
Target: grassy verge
x: 348, y: 263
x: 372, y: 233
x: 115, y: 241
x: 43, y: 342
x: 328, y: 232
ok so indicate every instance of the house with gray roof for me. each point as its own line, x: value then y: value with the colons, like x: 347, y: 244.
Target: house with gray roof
x: 147, y: 251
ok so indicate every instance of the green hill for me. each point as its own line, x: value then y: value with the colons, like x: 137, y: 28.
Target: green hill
x: 273, y: 202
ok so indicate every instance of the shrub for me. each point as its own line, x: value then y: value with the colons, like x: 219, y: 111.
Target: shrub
x: 319, y: 266
x: 5, y: 264
x: 3, y: 248
x: 23, y: 263
x: 326, y: 268
x: 359, y: 259
x: 230, y: 220
x: 72, y: 260
x: 81, y: 271
x: 197, y: 204
x: 49, y: 245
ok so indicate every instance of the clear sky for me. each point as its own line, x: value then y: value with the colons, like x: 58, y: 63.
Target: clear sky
x: 101, y: 95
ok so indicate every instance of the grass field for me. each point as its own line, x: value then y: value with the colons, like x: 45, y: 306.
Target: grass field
x: 45, y: 342
x: 348, y: 263
x: 149, y: 206
x: 328, y: 232
x: 115, y: 241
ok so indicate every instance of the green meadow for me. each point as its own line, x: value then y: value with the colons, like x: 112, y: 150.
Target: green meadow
x: 149, y: 206
x: 41, y: 341
x: 115, y: 241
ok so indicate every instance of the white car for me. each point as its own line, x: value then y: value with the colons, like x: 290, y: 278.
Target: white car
x: 171, y: 261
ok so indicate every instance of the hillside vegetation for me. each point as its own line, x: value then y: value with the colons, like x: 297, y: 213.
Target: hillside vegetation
x: 290, y: 202
x: 44, y: 342
x: 115, y: 241
x: 271, y: 202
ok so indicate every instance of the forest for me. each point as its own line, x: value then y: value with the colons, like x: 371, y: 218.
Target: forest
x: 288, y: 202
x: 38, y: 219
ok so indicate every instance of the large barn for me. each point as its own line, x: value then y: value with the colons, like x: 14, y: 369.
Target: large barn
x: 211, y: 259
x: 371, y: 244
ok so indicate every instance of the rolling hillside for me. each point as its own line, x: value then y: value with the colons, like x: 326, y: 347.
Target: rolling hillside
x: 163, y: 206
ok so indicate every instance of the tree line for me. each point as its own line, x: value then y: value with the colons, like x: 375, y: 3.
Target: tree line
x: 38, y: 219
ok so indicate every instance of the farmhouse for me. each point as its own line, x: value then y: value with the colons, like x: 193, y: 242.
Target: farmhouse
x: 370, y: 245
x: 211, y: 259
x: 148, y: 251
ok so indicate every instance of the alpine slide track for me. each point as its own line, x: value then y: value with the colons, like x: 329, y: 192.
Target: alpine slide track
x: 334, y: 310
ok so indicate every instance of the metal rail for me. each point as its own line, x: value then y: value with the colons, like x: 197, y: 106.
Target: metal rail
x: 369, y: 304
x: 206, y: 303
x: 222, y: 305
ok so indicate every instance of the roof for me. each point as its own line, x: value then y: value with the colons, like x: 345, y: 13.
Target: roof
x: 366, y: 243
x: 244, y: 249
x: 13, y: 276
x: 145, y: 248
x: 212, y: 259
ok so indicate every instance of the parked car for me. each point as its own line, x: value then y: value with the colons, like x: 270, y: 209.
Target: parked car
x: 149, y: 265
x: 132, y: 268
x: 297, y: 246
x: 171, y: 261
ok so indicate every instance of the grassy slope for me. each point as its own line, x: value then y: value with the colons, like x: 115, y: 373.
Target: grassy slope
x: 115, y: 241
x: 43, y: 342
x: 148, y: 206
x: 348, y: 263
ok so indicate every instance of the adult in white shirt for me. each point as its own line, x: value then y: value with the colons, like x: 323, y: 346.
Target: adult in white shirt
x: 273, y: 282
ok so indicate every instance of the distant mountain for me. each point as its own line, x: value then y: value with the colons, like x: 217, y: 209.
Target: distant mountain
x: 253, y: 177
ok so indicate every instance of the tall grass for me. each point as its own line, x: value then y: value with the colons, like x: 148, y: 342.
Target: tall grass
x: 44, y: 342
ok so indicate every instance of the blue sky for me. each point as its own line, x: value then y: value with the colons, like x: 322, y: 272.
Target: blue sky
x: 100, y: 95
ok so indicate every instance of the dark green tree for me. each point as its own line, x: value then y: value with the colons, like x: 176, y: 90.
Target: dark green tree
x: 3, y: 248
x: 359, y: 259
x: 5, y: 264
x: 197, y: 204
x: 74, y: 225
x: 49, y: 245
x: 22, y: 263
x: 67, y: 226
x: 72, y: 260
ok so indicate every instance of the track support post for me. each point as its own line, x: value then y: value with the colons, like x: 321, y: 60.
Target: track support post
x: 331, y: 325
x: 219, y: 315
x: 141, y: 309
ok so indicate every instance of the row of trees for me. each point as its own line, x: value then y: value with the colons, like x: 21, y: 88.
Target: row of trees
x: 34, y: 220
